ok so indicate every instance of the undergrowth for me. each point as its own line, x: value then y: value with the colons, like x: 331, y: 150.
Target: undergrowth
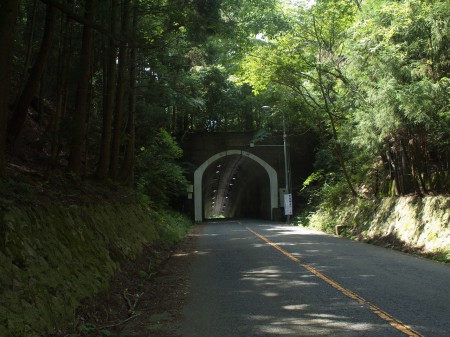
x: 358, y: 219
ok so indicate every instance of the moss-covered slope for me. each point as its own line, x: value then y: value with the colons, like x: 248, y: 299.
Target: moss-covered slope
x: 423, y: 223
x: 51, y: 257
x: 415, y: 224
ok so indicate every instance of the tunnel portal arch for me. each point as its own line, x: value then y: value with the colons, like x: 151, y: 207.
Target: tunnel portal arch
x: 198, y: 180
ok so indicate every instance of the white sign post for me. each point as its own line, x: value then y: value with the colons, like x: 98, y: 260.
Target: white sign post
x: 288, y: 204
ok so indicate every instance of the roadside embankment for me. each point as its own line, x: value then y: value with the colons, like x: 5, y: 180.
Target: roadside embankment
x: 412, y: 223
x: 51, y: 257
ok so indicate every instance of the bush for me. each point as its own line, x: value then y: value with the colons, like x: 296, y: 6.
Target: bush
x: 160, y: 177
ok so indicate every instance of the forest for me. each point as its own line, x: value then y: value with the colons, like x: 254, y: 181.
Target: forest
x: 107, y: 89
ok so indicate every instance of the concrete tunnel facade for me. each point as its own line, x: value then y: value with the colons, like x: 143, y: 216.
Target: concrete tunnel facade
x: 232, y: 178
x: 225, y: 187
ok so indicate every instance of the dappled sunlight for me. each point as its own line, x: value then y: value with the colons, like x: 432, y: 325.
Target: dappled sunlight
x: 292, y: 230
x: 193, y: 253
x: 307, y: 249
x: 306, y: 318
x: 295, y: 307
x: 307, y: 311
x: 325, y: 316
x: 269, y: 294
x: 259, y: 245
x: 273, y: 271
x: 279, y: 279
x: 274, y: 295
x: 274, y: 277
x: 203, y: 235
x: 287, y: 244
x: 312, y: 320
x: 312, y: 251
x: 328, y: 325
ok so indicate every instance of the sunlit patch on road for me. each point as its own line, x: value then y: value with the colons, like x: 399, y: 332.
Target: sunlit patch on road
x: 296, y: 307
x: 376, y: 310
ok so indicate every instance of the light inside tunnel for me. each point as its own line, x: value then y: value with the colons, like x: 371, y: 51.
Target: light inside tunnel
x: 236, y: 186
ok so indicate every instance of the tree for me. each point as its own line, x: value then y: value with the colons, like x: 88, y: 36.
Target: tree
x: 79, y: 121
x: 8, y: 16
x: 399, y: 63
x: 160, y: 177
x: 24, y: 99
x: 307, y: 58
x: 122, y: 84
x: 127, y: 170
x: 109, y: 80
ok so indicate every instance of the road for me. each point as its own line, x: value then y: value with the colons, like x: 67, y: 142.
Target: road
x: 253, y: 278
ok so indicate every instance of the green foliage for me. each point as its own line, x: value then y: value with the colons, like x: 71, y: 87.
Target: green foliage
x: 88, y: 329
x: 334, y: 193
x: 351, y: 214
x: 374, y: 85
x: 312, y: 185
x: 172, y: 226
x: 160, y: 177
x: 53, y: 257
x: 442, y: 255
x: 399, y: 68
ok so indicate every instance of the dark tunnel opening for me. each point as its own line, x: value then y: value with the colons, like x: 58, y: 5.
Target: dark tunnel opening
x: 236, y: 186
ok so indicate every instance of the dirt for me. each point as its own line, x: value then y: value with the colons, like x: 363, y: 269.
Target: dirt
x: 145, y: 298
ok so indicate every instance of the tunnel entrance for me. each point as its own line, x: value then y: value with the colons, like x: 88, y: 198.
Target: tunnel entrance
x: 235, y: 183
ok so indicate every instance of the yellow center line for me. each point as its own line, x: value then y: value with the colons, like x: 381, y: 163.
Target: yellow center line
x: 384, y: 315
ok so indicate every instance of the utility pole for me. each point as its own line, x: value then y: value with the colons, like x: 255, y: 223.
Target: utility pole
x: 287, y: 195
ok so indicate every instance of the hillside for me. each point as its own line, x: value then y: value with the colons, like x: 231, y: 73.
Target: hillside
x: 412, y: 224
x: 65, y: 240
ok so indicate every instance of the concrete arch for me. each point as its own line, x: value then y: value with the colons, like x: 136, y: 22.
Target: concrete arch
x: 198, y: 180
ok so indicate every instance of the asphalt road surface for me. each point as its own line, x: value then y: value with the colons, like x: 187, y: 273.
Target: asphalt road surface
x: 254, y: 278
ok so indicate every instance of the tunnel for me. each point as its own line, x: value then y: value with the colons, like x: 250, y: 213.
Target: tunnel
x: 235, y: 184
x: 260, y: 170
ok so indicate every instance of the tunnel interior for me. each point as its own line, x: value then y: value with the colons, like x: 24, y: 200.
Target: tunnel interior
x: 236, y: 186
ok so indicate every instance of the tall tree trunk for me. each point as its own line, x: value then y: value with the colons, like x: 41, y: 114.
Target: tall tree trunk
x: 79, y: 123
x: 127, y: 171
x: 120, y: 95
x: 32, y: 27
x: 62, y: 96
x: 24, y: 100
x: 338, y: 149
x: 415, y: 176
x: 398, y: 169
x: 8, y: 18
x: 108, y: 101
x: 85, y: 167
x: 324, y: 90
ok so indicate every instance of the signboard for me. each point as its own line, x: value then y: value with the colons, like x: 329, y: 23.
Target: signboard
x: 288, y: 204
